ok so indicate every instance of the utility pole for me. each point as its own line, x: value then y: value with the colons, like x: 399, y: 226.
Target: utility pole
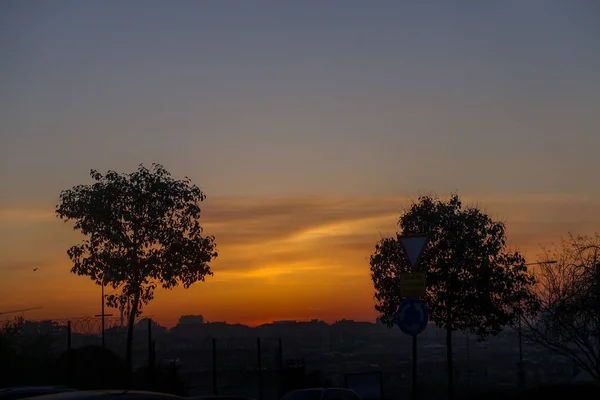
x: 102, y: 328
x: 102, y: 361
x: 102, y: 315
x: 468, y: 363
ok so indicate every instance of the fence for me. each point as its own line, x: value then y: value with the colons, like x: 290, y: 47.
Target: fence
x: 79, y: 332
x: 244, y: 366
x: 240, y: 363
x: 234, y: 366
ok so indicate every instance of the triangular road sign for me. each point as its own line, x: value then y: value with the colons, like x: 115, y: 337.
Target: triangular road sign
x: 413, y: 246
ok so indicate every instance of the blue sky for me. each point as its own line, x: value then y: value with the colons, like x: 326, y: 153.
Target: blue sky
x: 279, y: 97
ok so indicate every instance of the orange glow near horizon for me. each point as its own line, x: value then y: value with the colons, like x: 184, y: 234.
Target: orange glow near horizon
x: 278, y: 258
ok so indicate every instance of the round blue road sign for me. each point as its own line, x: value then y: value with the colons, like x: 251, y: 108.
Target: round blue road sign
x: 412, y: 317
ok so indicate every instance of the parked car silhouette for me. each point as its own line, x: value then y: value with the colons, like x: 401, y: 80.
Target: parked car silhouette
x: 109, y: 395
x: 21, y: 392
x: 219, y: 397
x: 321, y: 394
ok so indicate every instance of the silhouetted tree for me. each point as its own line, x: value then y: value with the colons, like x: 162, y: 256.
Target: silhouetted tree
x: 473, y: 283
x: 569, y: 293
x: 142, y: 229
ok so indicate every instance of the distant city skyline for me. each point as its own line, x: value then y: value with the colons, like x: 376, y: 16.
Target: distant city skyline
x: 310, y: 126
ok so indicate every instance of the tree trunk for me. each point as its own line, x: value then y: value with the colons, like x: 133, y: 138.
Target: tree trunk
x: 130, y: 326
x: 449, y: 355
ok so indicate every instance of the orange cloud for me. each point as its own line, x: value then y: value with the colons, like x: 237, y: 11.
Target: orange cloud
x: 23, y: 215
x: 302, y: 257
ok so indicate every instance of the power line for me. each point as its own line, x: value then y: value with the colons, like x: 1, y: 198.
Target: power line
x: 21, y: 310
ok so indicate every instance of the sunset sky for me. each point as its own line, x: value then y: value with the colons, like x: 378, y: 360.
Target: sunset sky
x: 309, y: 125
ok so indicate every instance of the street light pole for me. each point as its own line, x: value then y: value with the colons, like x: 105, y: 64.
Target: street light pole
x: 521, y: 369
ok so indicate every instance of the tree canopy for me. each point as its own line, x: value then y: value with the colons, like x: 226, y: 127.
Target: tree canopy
x: 142, y: 229
x: 473, y: 282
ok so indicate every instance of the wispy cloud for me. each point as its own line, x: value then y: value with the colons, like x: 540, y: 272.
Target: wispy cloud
x: 21, y: 215
x: 285, y: 250
x: 252, y: 231
x: 345, y: 228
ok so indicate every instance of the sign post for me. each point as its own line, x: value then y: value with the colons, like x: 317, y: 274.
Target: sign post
x: 412, y: 319
x: 412, y: 316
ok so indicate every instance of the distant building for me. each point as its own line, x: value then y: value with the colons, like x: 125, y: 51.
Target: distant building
x: 40, y: 327
x: 142, y: 326
x: 191, y: 320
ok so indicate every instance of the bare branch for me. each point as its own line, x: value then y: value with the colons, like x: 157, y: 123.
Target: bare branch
x: 568, y: 291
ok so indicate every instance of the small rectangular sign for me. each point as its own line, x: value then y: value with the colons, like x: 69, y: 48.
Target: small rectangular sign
x: 412, y: 284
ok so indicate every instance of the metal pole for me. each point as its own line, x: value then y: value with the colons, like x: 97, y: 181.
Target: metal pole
x: 214, y: 365
x: 153, y: 359
x: 150, y: 358
x: 259, y: 362
x: 68, y: 335
x: 414, y: 368
x: 468, y: 363
x: 69, y: 355
x: 103, y: 342
x: 280, y: 354
x: 102, y: 361
x: 280, y: 375
x: 149, y: 335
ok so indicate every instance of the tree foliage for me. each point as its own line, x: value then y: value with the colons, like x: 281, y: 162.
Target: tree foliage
x: 569, y: 294
x: 142, y: 229
x: 473, y: 282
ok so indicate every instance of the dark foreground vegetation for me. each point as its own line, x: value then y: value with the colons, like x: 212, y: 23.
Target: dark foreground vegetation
x: 86, y: 368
